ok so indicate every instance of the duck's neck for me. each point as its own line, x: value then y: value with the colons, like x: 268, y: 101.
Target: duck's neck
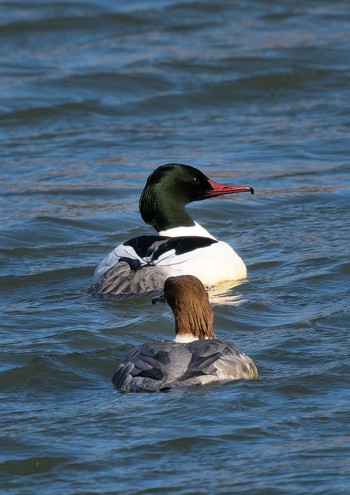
x: 184, y: 339
x: 194, y: 230
x: 162, y: 210
x: 194, y: 325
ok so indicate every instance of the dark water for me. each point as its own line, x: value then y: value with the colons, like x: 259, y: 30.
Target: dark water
x: 93, y: 96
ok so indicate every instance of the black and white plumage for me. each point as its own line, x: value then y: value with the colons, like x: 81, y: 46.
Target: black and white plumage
x: 145, y: 263
x: 141, y: 265
x: 196, y: 357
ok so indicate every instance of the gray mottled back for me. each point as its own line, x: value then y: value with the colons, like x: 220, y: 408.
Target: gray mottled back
x: 122, y: 282
x: 163, y: 365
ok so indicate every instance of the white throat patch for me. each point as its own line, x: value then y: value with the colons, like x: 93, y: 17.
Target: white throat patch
x: 185, y: 339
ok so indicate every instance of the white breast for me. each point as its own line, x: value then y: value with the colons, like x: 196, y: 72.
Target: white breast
x: 212, y: 264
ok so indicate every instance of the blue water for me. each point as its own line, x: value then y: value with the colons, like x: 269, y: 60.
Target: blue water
x: 94, y: 95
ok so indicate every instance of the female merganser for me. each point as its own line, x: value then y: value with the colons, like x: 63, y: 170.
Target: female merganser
x: 196, y: 357
x: 141, y: 265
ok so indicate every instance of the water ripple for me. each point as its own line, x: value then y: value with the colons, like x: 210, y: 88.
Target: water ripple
x: 94, y: 96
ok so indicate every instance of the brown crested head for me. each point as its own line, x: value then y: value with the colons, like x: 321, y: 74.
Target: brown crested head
x: 189, y: 302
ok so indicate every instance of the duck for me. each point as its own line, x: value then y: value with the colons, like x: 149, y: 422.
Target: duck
x: 196, y: 357
x: 141, y: 265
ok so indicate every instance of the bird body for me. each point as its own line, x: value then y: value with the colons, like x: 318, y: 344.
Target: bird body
x: 196, y: 357
x: 141, y: 265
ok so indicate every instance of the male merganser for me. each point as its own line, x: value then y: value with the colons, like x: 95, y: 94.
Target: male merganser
x: 196, y: 357
x: 141, y: 265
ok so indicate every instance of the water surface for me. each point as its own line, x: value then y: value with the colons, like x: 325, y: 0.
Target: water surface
x: 94, y: 96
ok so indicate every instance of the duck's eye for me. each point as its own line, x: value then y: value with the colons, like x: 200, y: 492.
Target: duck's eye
x: 195, y: 180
